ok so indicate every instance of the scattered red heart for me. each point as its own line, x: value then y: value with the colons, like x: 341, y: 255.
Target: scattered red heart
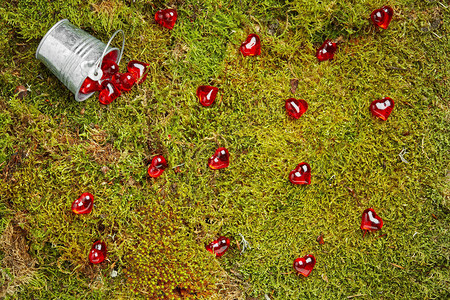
x: 301, y: 174
x: 84, y: 204
x: 207, y: 94
x: 370, y: 221
x: 98, y: 252
x: 251, y: 46
x: 138, y: 69
x: 382, y: 108
x: 326, y: 51
x: 382, y: 16
x: 166, y: 17
x: 219, y: 246
x: 296, y: 108
x: 304, y: 265
x: 220, y: 159
x: 157, y: 167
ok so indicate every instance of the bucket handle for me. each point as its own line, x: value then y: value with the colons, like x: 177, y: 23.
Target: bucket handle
x: 96, y: 72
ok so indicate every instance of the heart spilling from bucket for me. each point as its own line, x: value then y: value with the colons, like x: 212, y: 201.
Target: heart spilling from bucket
x: 157, y: 167
x: 98, y: 252
x: 84, y: 204
x: 113, y: 83
x: 219, y: 246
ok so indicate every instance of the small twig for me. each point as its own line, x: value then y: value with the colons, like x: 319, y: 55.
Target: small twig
x: 359, y: 295
x: 267, y: 297
x: 395, y: 265
x: 244, y: 243
x: 439, y: 37
x: 403, y: 152
x: 180, y: 165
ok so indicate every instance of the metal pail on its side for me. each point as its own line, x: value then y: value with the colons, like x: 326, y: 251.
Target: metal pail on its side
x: 73, y: 55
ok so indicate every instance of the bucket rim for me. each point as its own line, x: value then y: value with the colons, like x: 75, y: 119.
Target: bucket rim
x: 48, y: 33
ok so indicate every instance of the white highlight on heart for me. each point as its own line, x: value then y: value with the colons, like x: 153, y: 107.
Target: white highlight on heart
x: 372, y: 218
x: 305, y: 168
x: 383, y: 105
x: 251, y: 43
x: 308, y: 260
x: 297, y: 174
x: 295, y: 106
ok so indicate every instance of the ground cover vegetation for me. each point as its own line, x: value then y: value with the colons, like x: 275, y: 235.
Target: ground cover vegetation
x: 53, y: 148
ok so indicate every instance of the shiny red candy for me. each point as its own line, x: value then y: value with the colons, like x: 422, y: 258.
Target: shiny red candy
x: 382, y: 17
x: 124, y: 81
x: 98, y: 252
x: 220, y: 159
x: 251, y: 46
x: 90, y: 86
x: 370, y: 221
x: 207, y: 94
x: 138, y: 69
x: 109, y: 93
x: 219, y: 246
x: 166, y: 17
x: 296, y: 108
x: 304, y: 265
x: 301, y: 174
x: 157, y: 167
x: 84, y: 204
x: 109, y: 68
x: 326, y: 51
x: 382, y: 108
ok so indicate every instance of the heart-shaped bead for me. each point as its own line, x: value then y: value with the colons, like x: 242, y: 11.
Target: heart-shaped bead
x: 220, y: 159
x: 124, y: 82
x: 301, y: 174
x: 326, y: 51
x: 207, y: 94
x: 296, y: 108
x: 157, y: 167
x: 370, y: 221
x: 304, y: 265
x: 251, y: 46
x: 138, y: 69
x: 109, y: 93
x: 219, y: 246
x: 109, y: 68
x: 166, y: 17
x: 382, y: 108
x: 90, y: 86
x: 98, y: 252
x: 382, y: 17
x: 84, y: 204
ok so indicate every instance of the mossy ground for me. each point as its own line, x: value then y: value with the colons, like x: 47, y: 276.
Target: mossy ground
x: 53, y: 148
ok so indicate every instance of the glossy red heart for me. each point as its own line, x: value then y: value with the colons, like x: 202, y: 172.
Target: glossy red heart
x: 166, y: 17
x: 98, y: 252
x: 304, y: 265
x: 382, y: 108
x: 157, y: 167
x: 207, y: 94
x: 301, y: 174
x: 220, y: 159
x: 382, y: 17
x: 296, y: 108
x: 138, y: 69
x: 219, y: 246
x: 84, y: 204
x: 251, y: 46
x: 326, y: 51
x: 109, y: 93
x: 370, y: 221
x: 109, y: 68
x: 90, y: 86
x: 124, y: 82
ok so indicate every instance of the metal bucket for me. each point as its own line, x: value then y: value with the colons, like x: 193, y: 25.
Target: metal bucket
x: 73, y: 55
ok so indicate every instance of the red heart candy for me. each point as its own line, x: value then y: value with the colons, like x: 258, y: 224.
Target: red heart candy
x: 251, y: 46
x: 326, y: 51
x: 166, y: 17
x: 382, y: 17
x: 109, y: 93
x: 382, y: 108
x: 90, y: 86
x: 301, y: 174
x: 207, y: 94
x: 304, y: 265
x: 124, y: 81
x: 138, y: 69
x: 109, y: 68
x: 220, y: 159
x: 84, y: 204
x: 219, y: 246
x: 98, y: 252
x: 157, y: 167
x: 370, y: 221
x: 296, y: 108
